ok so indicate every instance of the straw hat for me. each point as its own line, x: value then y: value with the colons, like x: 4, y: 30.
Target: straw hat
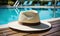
x: 30, y: 17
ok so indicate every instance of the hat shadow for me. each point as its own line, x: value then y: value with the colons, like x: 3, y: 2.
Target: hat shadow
x: 40, y: 26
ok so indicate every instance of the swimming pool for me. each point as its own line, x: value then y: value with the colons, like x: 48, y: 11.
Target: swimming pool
x: 11, y: 14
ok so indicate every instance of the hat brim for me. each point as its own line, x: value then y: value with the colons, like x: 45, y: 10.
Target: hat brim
x: 43, y: 26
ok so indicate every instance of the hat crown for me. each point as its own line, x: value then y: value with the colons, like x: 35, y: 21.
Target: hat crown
x: 30, y: 15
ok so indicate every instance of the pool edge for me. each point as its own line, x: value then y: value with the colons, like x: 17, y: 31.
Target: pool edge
x: 52, y: 19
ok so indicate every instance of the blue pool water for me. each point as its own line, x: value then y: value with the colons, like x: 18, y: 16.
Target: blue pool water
x: 9, y: 15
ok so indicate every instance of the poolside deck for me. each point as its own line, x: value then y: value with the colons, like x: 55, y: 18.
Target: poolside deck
x: 54, y: 31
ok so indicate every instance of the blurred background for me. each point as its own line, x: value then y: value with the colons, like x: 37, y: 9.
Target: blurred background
x: 10, y: 9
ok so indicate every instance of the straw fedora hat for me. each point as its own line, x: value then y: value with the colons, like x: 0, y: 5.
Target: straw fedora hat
x: 29, y: 17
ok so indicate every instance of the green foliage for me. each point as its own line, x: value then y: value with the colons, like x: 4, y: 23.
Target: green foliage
x: 10, y: 2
